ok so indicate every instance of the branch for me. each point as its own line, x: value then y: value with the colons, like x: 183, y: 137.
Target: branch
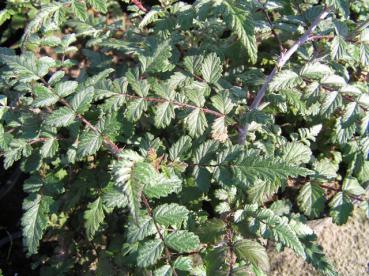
x: 271, y: 26
x: 149, y: 211
x: 284, y: 57
x: 139, y: 5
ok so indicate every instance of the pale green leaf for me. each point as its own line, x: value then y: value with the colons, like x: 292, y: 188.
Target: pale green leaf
x: 196, y: 122
x: 352, y: 186
x: 150, y: 253
x: 170, y: 214
x: 61, y: 117
x: 89, y: 143
x: 44, y: 97
x: 311, y: 200
x: 211, y: 68
x: 182, y: 241
x: 94, y: 216
x: 285, y: 79
x: 253, y: 252
x: 341, y: 208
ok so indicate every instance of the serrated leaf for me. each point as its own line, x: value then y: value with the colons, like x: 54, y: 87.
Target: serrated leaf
x: 79, y: 9
x: 338, y: 47
x: 180, y: 148
x: 89, y: 143
x: 144, y: 228
x: 182, y: 241
x: 135, y: 109
x: 99, y: 5
x: 82, y: 100
x: 331, y: 101
x: 165, y: 270
x: 341, y: 208
x: 65, y: 88
x: 315, y: 70
x: 196, y: 122
x: 262, y: 190
x: 242, y: 24
x: 35, y: 220
x: 219, y: 130
x: 311, y: 200
x: 24, y: 66
x: 352, y: 186
x: 253, y: 252
x: 154, y: 13
x: 114, y: 198
x: 285, y: 79
x: 150, y: 253
x: 164, y: 114
x: 341, y: 5
x: 162, y: 186
x: 183, y: 263
x: 61, y: 117
x: 94, y: 216
x: 248, y: 168
x: 49, y: 148
x: 364, y: 54
x: 211, y: 68
x: 170, y: 214
x: 44, y: 97
x: 296, y: 153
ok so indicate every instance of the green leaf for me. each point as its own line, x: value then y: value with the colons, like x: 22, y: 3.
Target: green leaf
x: 331, y: 102
x: 135, y: 109
x: 35, y: 220
x: 24, y: 66
x: 183, y: 263
x: 65, y: 88
x: 170, y: 214
x: 49, y: 148
x: 114, y: 198
x: 180, y: 148
x: 44, y: 97
x: 196, y: 122
x: 164, y: 114
x: 311, y: 200
x: 241, y: 23
x: 82, y: 100
x: 61, y: 117
x: 315, y: 70
x: 182, y: 241
x: 248, y: 168
x: 219, y: 130
x: 150, y: 253
x: 341, y: 208
x: 80, y: 9
x: 99, y: 5
x: 296, y: 153
x: 162, y: 186
x: 165, y: 270
x: 144, y: 228
x: 285, y: 79
x: 262, y: 190
x: 94, y: 216
x: 132, y: 175
x: 90, y: 142
x: 340, y: 5
x: 253, y: 252
x: 352, y: 186
x: 364, y: 54
x: 211, y: 68
x: 338, y: 47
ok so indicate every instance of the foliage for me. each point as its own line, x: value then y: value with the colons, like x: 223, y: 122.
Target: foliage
x: 129, y: 132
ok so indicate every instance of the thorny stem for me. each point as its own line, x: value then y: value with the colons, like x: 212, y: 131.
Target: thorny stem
x: 284, y: 57
x: 229, y: 240
x: 139, y: 5
x: 149, y: 211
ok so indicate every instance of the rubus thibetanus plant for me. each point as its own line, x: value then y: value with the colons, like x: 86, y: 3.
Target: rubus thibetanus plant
x: 181, y: 139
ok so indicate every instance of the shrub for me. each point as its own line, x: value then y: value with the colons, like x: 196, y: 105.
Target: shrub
x: 179, y: 138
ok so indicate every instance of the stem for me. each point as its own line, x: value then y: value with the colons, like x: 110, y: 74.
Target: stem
x: 139, y: 5
x: 271, y: 26
x: 284, y: 57
x: 149, y: 211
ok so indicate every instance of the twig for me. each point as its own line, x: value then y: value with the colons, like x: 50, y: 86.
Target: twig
x: 10, y: 238
x: 281, y: 62
x: 281, y: 48
x: 139, y: 5
x: 149, y: 211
